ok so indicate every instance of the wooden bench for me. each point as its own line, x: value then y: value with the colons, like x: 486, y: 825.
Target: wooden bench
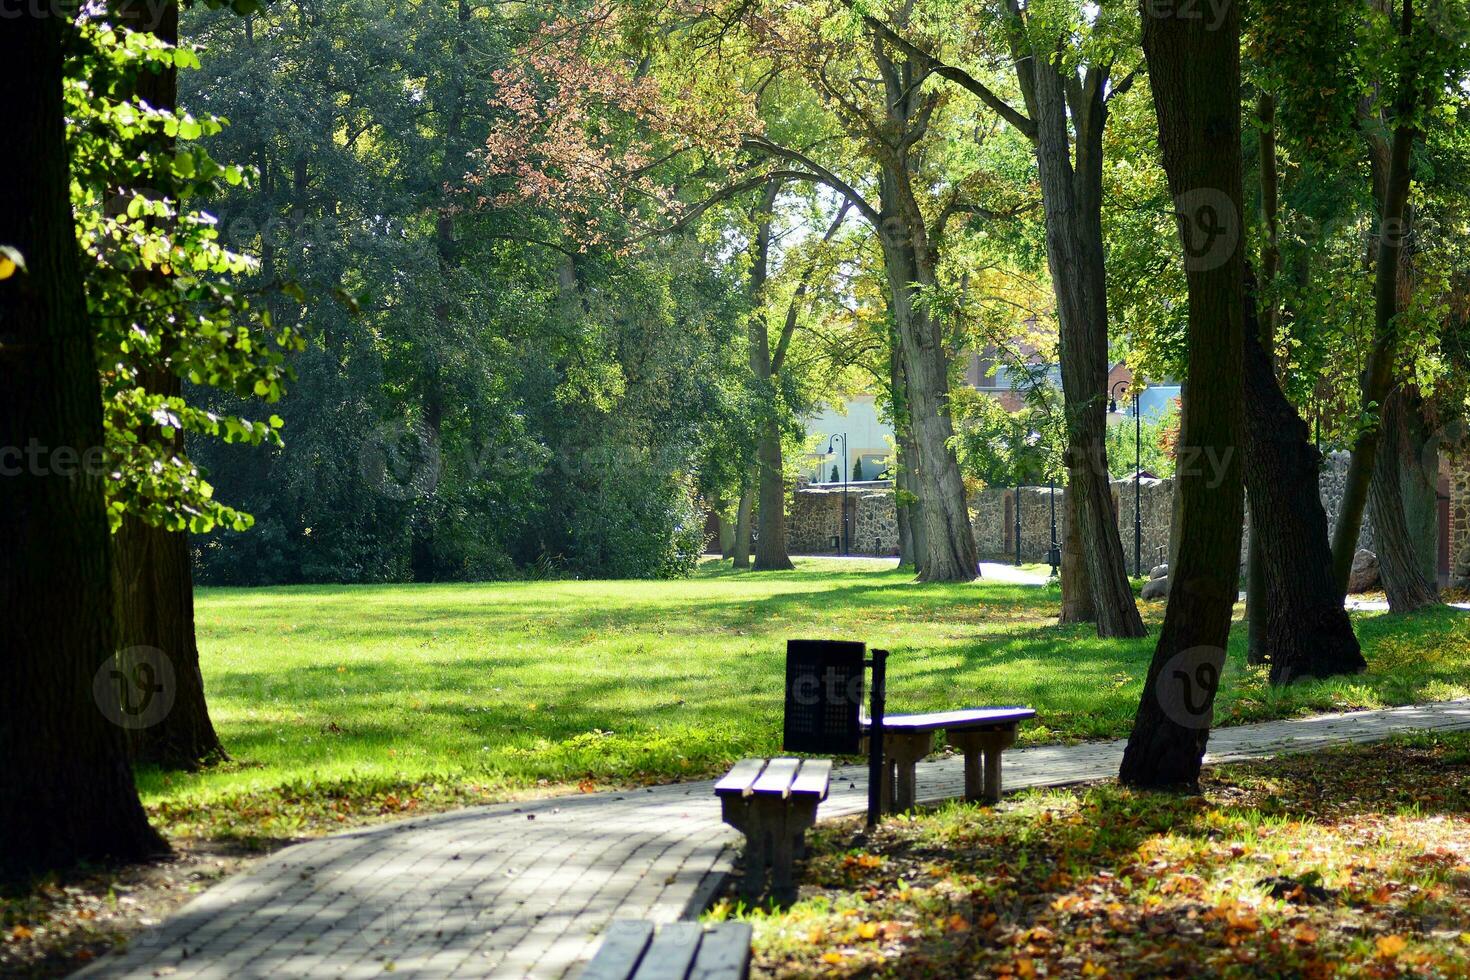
x: 679, y: 951
x: 982, y: 734
x: 773, y: 802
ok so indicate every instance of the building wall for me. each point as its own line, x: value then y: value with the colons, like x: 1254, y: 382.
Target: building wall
x: 867, y: 438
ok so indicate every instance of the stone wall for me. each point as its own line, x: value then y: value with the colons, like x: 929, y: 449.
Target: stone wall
x: 993, y: 516
x: 875, y: 524
x: 1333, y: 481
x: 1459, y: 468
x: 814, y: 518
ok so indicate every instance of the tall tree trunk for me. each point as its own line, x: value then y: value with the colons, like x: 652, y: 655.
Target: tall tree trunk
x: 1194, y: 71
x: 950, y: 554
x: 153, y: 576
x: 770, y: 543
x: 903, y: 512
x: 1256, y: 609
x: 1419, y: 474
x: 1077, y: 594
x: 1402, y: 571
x: 741, y: 554
x: 1071, y: 198
x: 1379, y: 371
x: 725, y: 535
x: 66, y: 789
x: 1305, y: 630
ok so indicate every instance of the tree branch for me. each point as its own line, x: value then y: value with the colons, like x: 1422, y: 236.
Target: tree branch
x: 959, y: 76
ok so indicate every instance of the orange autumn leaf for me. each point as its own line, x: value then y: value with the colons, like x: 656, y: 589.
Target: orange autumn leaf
x: 957, y: 923
x: 1304, y: 934
x: 1391, y: 946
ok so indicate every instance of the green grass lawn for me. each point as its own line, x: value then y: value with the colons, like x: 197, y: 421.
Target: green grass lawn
x: 342, y: 702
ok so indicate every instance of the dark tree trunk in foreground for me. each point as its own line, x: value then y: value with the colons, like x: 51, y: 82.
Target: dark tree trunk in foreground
x: 1305, y: 630
x: 1194, y: 71
x: 153, y: 573
x: 66, y: 789
x: 1378, y: 374
x: 1402, y: 570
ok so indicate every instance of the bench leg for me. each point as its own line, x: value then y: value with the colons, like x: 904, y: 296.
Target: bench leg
x: 972, y: 744
x: 905, y: 750
x: 783, y: 869
x: 983, y: 783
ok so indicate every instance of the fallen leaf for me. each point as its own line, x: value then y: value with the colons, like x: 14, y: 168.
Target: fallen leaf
x: 1391, y: 946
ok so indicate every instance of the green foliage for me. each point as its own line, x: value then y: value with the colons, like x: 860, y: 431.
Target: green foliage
x: 1006, y: 449
x: 1157, y: 439
x: 161, y: 287
x: 474, y: 400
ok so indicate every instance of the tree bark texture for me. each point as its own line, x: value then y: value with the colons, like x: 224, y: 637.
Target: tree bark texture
x: 1305, y: 631
x: 1256, y: 592
x: 741, y: 555
x: 1194, y: 72
x: 1400, y: 566
x: 950, y: 554
x: 1077, y: 594
x: 66, y: 788
x: 153, y: 576
x: 911, y: 264
x: 1378, y: 374
x: 770, y: 543
x: 1071, y: 197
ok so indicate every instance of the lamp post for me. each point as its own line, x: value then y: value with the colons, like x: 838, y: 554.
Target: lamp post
x: 1054, y: 554
x: 1032, y: 438
x: 830, y: 442
x: 1137, y: 471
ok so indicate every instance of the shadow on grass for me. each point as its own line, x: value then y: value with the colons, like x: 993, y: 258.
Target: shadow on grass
x: 1350, y: 861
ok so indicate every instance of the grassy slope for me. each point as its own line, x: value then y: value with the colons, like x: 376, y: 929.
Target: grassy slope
x: 486, y: 690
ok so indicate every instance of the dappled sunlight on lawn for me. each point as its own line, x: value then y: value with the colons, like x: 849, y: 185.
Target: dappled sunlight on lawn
x: 551, y: 686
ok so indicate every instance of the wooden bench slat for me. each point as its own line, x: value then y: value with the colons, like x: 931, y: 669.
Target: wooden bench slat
x: 964, y: 718
x: 725, y: 952
x: 621, y: 951
x: 776, y: 780
x: 738, y: 781
x: 672, y: 952
x: 814, y: 778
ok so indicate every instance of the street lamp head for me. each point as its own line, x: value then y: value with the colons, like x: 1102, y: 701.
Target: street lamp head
x: 1114, y: 392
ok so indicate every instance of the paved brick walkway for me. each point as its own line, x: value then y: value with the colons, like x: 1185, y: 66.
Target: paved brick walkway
x: 525, y: 889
